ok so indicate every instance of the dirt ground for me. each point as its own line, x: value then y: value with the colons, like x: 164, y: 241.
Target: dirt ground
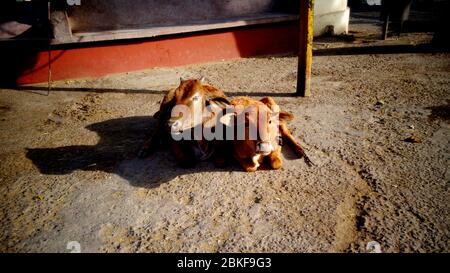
x: 69, y: 171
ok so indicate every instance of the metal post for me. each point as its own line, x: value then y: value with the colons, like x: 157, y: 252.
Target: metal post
x: 305, y: 47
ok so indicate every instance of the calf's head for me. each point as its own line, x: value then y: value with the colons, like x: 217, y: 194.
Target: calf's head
x: 256, y: 127
x: 189, y: 102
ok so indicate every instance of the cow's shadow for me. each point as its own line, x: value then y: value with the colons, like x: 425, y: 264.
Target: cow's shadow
x: 120, y: 140
x: 116, y: 152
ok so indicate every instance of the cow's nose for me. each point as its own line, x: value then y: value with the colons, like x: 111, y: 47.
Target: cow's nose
x: 174, y: 125
x: 264, y: 148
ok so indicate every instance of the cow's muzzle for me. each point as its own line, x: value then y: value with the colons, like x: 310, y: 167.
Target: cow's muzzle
x: 264, y: 148
x: 175, y: 126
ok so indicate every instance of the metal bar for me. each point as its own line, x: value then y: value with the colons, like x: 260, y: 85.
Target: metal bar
x: 305, y: 48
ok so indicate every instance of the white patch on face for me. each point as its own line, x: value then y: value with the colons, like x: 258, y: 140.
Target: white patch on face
x: 196, y: 98
x: 264, y: 148
x: 197, y: 108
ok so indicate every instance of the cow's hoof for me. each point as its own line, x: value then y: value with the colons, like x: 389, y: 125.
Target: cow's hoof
x: 276, y: 163
x: 251, y: 169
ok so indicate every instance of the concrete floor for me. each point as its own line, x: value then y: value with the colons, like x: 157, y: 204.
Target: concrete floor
x: 68, y: 170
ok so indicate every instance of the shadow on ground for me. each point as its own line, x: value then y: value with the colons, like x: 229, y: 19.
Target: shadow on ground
x: 120, y: 139
x: 382, y: 49
x: 441, y: 112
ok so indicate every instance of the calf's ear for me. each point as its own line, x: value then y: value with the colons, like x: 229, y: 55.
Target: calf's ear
x: 218, y: 100
x: 216, y: 104
x: 268, y: 101
x: 285, y: 116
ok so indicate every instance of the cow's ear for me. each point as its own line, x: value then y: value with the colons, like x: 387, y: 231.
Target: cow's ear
x: 182, y: 79
x: 285, y: 116
x: 268, y: 101
x: 214, y: 107
x: 217, y: 103
x: 218, y: 100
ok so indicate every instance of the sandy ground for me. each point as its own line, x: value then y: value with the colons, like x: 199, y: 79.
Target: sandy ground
x: 69, y: 172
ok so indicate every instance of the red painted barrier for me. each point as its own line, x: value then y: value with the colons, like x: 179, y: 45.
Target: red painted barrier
x: 116, y: 57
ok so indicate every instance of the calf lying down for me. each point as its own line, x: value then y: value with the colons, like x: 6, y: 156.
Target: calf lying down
x: 193, y: 95
x: 271, y: 132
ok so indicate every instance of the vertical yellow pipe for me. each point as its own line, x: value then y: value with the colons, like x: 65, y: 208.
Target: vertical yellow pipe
x: 305, y: 47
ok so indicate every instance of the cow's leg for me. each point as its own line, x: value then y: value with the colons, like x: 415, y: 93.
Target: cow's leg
x: 248, y: 164
x: 221, y: 153
x: 183, y: 154
x: 150, y: 144
x: 275, y: 159
x: 289, y: 138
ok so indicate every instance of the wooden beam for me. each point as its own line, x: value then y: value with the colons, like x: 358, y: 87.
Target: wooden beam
x: 155, y: 31
x: 305, y: 47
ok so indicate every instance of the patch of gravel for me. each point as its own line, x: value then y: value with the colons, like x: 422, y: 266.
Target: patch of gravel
x: 68, y: 170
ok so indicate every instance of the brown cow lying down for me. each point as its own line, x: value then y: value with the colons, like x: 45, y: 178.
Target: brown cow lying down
x: 271, y: 132
x: 191, y: 94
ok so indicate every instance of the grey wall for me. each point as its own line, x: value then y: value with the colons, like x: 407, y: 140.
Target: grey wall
x: 116, y: 14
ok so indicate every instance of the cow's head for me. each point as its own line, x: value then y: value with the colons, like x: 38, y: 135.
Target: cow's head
x: 256, y: 126
x: 189, y: 102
